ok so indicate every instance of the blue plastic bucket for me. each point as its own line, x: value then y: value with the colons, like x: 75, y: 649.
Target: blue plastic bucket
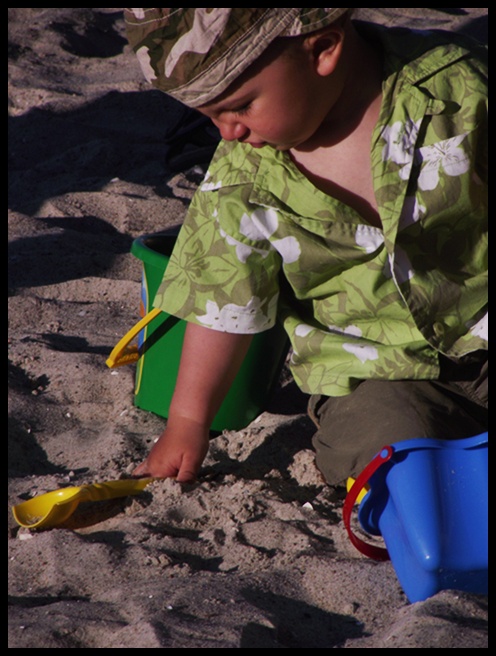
x: 428, y: 499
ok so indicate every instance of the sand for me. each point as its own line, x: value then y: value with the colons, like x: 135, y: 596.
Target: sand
x: 255, y: 553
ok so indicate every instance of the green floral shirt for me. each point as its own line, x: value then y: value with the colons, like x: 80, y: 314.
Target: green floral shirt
x: 358, y: 302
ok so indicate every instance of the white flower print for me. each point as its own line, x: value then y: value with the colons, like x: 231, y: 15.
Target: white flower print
x: 303, y: 329
x: 445, y: 154
x: 481, y: 328
x: 209, y: 186
x: 363, y: 353
x: 234, y: 318
x: 243, y: 251
x: 289, y: 249
x: 400, y: 141
x: 353, y: 331
x: 369, y: 238
x: 260, y: 225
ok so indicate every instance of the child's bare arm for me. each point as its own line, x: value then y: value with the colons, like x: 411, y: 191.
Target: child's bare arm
x: 210, y: 361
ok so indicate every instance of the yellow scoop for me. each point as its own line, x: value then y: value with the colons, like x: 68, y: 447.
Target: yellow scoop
x: 53, y: 508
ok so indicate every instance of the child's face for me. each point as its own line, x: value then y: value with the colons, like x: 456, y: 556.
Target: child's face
x: 280, y: 102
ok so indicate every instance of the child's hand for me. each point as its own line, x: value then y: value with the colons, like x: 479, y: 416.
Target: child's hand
x: 210, y: 360
x: 178, y: 453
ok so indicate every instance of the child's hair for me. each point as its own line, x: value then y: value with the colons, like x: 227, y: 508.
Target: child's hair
x: 195, y: 54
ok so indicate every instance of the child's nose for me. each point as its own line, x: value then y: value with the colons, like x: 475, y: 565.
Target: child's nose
x: 231, y: 130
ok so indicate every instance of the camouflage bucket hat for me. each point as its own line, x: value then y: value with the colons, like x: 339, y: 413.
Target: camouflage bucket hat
x: 194, y: 54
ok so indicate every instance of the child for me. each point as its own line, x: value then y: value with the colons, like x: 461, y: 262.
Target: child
x: 348, y: 199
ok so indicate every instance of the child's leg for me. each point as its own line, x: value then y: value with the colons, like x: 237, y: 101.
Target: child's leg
x: 353, y: 428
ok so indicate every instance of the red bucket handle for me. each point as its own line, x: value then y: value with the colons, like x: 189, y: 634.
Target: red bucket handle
x: 370, y: 550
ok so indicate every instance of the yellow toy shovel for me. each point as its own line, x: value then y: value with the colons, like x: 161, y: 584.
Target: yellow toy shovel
x: 53, y: 508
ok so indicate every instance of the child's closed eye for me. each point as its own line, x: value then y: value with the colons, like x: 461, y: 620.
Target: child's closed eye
x: 242, y: 111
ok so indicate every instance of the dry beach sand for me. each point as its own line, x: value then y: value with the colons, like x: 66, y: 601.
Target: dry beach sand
x: 255, y: 553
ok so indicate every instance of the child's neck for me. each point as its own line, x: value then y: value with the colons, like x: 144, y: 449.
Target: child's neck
x: 337, y: 158
x: 361, y: 72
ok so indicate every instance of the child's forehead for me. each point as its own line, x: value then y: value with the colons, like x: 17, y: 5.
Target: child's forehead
x: 195, y: 54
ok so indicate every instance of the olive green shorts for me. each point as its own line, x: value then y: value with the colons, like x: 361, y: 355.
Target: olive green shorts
x: 353, y: 428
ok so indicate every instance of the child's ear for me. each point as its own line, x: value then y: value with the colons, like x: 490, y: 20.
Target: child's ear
x: 325, y: 48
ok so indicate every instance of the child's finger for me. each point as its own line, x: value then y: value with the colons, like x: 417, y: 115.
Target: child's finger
x: 188, y: 470
x: 141, y: 470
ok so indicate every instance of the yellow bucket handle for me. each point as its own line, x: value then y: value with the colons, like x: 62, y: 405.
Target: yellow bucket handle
x: 349, y: 484
x: 124, y: 352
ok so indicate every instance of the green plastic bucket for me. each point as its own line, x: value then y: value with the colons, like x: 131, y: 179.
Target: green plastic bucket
x: 160, y: 345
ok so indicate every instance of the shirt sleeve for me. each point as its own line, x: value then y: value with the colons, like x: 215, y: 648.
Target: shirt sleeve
x: 224, y: 271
